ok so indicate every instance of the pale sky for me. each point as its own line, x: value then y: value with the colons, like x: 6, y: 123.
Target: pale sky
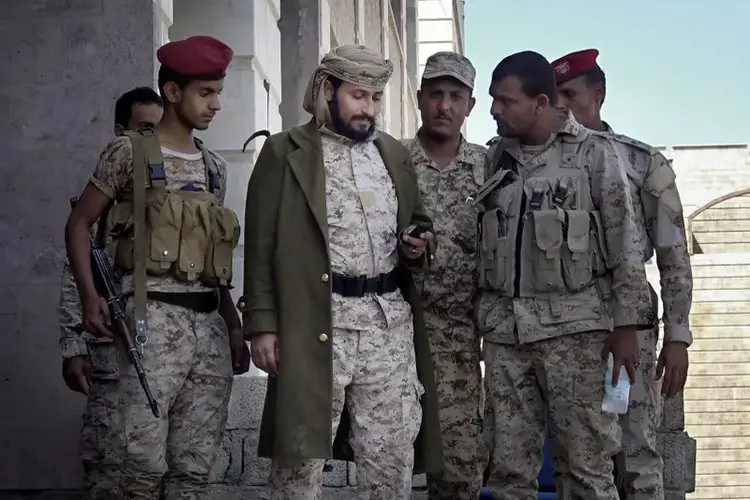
x: 678, y: 72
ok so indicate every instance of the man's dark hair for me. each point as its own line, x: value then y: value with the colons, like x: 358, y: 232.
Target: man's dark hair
x: 533, y: 69
x: 167, y: 74
x: 124, y: 105
x: 596, y: 76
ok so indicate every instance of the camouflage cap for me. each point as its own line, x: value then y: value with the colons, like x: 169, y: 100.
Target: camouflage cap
x: 451, y: 64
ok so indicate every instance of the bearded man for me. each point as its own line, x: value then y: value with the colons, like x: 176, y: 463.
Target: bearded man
x: 334, y: 227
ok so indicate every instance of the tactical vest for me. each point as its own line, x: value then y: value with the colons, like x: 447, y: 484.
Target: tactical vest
x: 541, y: 236
x: 183, y: 233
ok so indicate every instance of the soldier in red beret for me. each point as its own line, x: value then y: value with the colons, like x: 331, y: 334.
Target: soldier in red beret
x: 660, y: 230
x: 176, y: 262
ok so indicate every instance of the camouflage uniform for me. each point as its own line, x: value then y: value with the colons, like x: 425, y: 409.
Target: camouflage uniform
x: 542, y: 349
x: 447, y: 293
x: 101, y: 445
x: 660, y: 228
x: 373, y: 351
x: 187, y: 360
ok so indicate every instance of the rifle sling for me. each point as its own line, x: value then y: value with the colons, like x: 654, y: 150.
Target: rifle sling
x: 140, y: 243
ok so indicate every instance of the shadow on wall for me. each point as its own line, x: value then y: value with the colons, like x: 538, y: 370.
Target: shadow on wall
x: 721, y: 225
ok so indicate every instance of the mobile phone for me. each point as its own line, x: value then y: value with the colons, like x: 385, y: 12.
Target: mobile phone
x: 419, y: 229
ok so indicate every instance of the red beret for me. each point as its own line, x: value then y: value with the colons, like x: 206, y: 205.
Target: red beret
x: 574, y: 64
x: 196, y: 56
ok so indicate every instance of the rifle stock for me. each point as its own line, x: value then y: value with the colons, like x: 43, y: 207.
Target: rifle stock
x: 104, y: 279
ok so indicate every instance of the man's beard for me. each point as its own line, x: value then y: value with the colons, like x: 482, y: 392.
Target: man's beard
x: 345, y: 129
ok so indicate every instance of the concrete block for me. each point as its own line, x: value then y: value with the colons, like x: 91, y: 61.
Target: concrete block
x: 338, y: 494
x: 420, y: 481
x: 35, y: 50
x: 230, y: 492
x: 228, y: 466
x: 255, y: 470
x: 106, y: 46
x: 674, y: 495
x: 335, y: 473
x: 246, y: 403
x: 678, y: 452
x: 352, y: 473
x: 673, y: 413
x: 53, y: 8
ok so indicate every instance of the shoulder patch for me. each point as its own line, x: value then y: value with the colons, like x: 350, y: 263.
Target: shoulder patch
x: 629, y: 141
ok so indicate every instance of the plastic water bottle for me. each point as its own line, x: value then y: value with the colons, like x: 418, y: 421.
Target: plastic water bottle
x: 616, y: 397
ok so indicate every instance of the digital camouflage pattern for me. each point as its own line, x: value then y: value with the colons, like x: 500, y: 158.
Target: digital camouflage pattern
x: 660, y: 230
x: 114, y: 176
x: 447, y: 291
x: 564, y: 375
x: 373, y: 348
x: 374, y: 370
x: 101, y: 444
x: 187, y: 360
x: 509, y: 320
x: 188, y: 363
x: 450, y: 64
x: 540, y: 354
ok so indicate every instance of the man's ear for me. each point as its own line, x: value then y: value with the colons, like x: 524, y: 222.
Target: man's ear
x: 598, y: 90
x: 542, y: 101
x: 328, y: 90
x: 472, y: 102
x: 172, y: 92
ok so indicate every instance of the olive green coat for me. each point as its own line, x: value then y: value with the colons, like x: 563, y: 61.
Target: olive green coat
x: 287, y: 291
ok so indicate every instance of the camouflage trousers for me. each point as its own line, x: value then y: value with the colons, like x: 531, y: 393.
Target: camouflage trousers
x: 374, y: 374
x: 639, y: 463
x: 458, y: 377
x: 102, y: 443
x: 562, y: 377
x: 188, y: 364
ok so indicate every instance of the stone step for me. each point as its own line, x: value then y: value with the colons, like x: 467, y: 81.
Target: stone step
x: 706, y: 333
x: 728, y: 213
x: 721, y: 259
x: 718, y: 418
x: 720, y: 270
x: 711, y: 355
x: 699, y: 226
x: 703, y: 407
x: 696, y: 381
x: 722, y: 295
x: 717, y: 236
x: 721, y: 307
x: 720, y: 283
x: 718, y: 395
x: 735, y: 316
x: 722, y: 345
x: 722, y: 369
x: 713, y: 248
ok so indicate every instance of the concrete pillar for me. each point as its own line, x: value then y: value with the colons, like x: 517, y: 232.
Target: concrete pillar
x: 163, y: 18
x: 65, y: 64
x: 412, y: 43
x: 305, y: 37
x: 252, y: 89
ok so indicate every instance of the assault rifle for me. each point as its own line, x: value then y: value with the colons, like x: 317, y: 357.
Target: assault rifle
x: 104, y: 279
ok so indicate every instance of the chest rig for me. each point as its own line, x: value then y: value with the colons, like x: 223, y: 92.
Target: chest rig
x: 539, y: 231
x: 184, y: 233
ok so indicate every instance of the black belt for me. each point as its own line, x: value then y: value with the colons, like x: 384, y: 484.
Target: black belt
x: 200, y: 302
x: 349, y: 286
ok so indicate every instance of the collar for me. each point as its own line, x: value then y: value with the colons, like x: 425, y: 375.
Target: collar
x: 419, y: 155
